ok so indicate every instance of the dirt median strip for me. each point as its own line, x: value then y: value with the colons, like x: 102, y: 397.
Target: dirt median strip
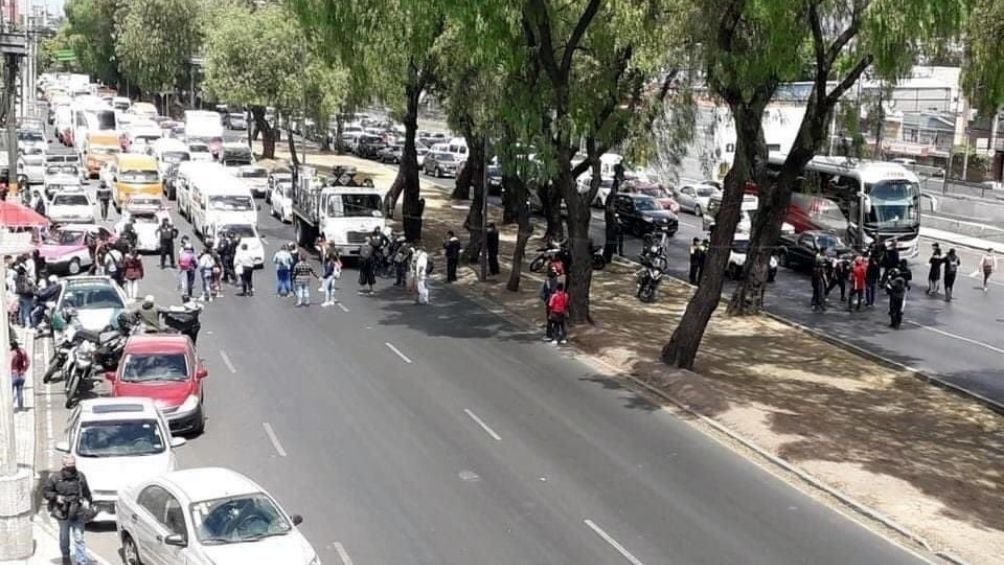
x: 923, y: 457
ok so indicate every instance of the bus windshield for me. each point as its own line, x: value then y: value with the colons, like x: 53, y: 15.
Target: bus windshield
x: 894, y: 204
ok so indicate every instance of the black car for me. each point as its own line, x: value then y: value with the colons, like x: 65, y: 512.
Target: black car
x: 370, y: 146
x: 798, y: 251
x: 640, y: 214
x: 494, y: 179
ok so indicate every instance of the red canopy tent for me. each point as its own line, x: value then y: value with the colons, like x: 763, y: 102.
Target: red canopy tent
x: 16, y: 215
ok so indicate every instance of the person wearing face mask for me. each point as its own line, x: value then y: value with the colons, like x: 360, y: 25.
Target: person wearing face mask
x: 70, y: 503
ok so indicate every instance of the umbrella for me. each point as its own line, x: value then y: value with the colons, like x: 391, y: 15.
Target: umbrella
x: 16, y: 215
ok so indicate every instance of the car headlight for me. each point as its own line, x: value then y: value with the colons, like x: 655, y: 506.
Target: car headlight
x: 190, y: 403
x: 648, y: 218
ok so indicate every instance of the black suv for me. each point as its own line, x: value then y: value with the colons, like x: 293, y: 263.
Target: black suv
x: 640, y: 214
x: 370, y: 146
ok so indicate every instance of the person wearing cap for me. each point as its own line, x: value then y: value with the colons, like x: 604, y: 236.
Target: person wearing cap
x: 166, y: 234
x: 69, y: 500
x: 149, y: 314
x: 19, y: 364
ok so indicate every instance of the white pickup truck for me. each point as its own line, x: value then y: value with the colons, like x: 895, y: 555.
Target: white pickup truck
x: 343, y: 215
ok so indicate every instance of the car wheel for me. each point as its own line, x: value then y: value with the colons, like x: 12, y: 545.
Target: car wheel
x: 130, y: 553
x: 74, y: 267
x: 439, y: 172
x: 697, y: 211
x: 201, y: 426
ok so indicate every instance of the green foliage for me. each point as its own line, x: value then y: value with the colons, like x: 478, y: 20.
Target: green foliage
x: 49, y: 47
x: 157, y: 39
x: 983, y: 72
x: 91, y: 34
x: 270, y: 66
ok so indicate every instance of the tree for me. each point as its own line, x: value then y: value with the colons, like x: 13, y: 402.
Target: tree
x: 50, y: 46
x: 846, y: 38
x: 156, y: 41
x: 983, y: 68
x: 393, y: 56
x: 90, y: 32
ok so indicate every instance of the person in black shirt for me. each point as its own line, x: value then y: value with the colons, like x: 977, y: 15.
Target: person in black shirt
x: 452, y: 247
x: 492, y: 245
x: 165, y: 235
x: 104, y: 194
x: 872, y: 276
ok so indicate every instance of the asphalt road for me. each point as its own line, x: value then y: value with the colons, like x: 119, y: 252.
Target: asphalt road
x: 443, y: 435
x: 961, y: 342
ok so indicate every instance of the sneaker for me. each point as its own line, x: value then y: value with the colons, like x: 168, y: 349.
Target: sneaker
x: 554, y: 342
x: 325, y: 304
x: 547, y: 338
x: 564, y: 341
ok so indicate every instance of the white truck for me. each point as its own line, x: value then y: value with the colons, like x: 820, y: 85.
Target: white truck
x: 343, y: 215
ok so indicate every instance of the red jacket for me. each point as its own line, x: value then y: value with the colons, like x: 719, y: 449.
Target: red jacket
x: 558, y: 303
x: 859, y: 274
x: 133, y: 268
x: 19, y: 361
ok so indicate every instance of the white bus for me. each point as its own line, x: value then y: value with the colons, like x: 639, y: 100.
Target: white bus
x: 88, y: 119
x: 219, y: 198
x: 878, y: 200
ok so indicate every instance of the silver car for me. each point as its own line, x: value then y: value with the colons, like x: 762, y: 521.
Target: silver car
x: 695, y: 198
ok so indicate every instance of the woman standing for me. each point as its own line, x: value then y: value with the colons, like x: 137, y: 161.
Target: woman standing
x: 952, y: 264
x: 934, y: 275
x: 133, y: 273
x: 331, y: 273
x: 988, y: 264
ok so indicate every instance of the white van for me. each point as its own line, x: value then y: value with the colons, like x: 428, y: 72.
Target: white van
x: 457, y: 146
x: 88, y: 120
x: 169, y: 151
x: 188, y: 172
x: 218, y: 199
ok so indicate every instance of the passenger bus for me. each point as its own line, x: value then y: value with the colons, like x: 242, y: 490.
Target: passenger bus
x: 877, y: 200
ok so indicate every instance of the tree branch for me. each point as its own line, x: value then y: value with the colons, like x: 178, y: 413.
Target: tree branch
x: 580, y: 30
x: 845, y: 36
x: 817, y: 38
x: 728, y: 24
x: 544, y: 43
x: 849, y: 80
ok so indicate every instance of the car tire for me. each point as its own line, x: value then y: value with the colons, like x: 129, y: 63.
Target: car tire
x: 439, y: 172
x: 130, y: 553
x: 200, y: 428
x: 74, y: 267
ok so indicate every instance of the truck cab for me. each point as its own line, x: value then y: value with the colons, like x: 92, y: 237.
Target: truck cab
x: 343, y: 215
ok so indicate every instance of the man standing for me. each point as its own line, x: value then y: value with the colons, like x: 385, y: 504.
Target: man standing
x: 188, y: 262
x: 302, y: 271
x: 19, y: 364
x: 283, y: 261
x: 69, y: 501
x: 104, y: 194
x: 547, y: 289
x: 452, y: 247
x: 819, y: 283
x: 952, y: 264
x: 896, y: 287
x: 873, y: 273
x: 890, y: 260
x: 492, y: 244
x: 25, y: 288
x: 244, y: 265
x: 702, y: 258
x: 422, y: 270
x: 165, y: 235
x: 557, y: 307
x: 695, y: 260
x: 859, y: 277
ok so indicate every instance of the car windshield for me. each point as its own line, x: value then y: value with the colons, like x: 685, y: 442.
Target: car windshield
x: 646, y: 204
x: 254, y: 173
x: 354, y: 206
x: 145, y: 368
x: 231, y: 203
x: 62, y: 237
x: 445, y: 157
x: 240, y: 230
x: 145, y: 219
x: 92, y: 297
x: 706, y: 191
x: 125, y: 438
x: 138, y: 176
x: 238, y: 519
x: 894, y: 204
x: 198, y: 148
x: 104, y: 150
x: 30, y: 136
x: 175, y: 156
x: 70, y: 200
x: 829, y: 241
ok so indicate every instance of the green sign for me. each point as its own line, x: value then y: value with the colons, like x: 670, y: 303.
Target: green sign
x: 65, y: 55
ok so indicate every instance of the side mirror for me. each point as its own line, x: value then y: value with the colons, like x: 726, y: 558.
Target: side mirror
x: 110, y: 376
x: 297, y: 519
x: 63, y: 446
x: 201, y: 373
x: 177, y: 540
x: 178, y: 441
x: 867, y: 203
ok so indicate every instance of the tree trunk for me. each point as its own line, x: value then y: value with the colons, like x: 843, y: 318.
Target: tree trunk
x: 339, y: 127
x: 550, y: 199
x: 413, y: 206
x: 580, y: 272
x: 473, y: 224
x: 681, y: 350
x: 267, y: 132
x: 522, y: 237
x: 513, y: 198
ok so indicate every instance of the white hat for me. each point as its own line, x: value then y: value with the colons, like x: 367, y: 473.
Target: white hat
x: 148, y: 299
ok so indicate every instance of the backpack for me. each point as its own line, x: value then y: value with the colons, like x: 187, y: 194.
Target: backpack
x: 24, y: 285
x: 429, y: 265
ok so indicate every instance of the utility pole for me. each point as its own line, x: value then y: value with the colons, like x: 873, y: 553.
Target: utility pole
x: 15, y: 481
x: 484, y: 209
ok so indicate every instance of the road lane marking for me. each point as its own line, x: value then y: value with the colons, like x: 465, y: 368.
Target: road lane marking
x: 342, y: 306
x: 398, y: 352
x: 483, y: 425
x: 274, y: 438
x: 342, y: 554
x: 227, y: 362
x: 958, y: 337
x: 613, y: 543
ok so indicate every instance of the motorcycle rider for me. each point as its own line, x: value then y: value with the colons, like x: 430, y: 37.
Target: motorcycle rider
x: 149, y: 314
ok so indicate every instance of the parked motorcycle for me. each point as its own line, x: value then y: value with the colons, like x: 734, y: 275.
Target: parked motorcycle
x: 81, y: 372
x: 653, y: 268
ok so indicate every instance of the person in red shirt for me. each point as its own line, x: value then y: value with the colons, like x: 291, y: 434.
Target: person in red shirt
x: 557, y: 309
x: 859, y: 275
x: 18, y: 368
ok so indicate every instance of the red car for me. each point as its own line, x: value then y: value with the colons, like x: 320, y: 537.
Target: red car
x: 164, y: 368
x: 657, y: 191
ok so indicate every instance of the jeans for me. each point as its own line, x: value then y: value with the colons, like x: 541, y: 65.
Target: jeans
x: 422, y: 287
x: 207, y: 284
x: 558, y: 330
x: 25, y: 304
x: 329, y: 289
x: 18, y: 381
x: 283, y: 284
x: 870, y: 293
x: 166, y: 253
x: 302, y: 293
x: 74, y: 528
x: 104, y: 209
x: 188, y: 284
x: 247, y: 283
x: 132, y: 288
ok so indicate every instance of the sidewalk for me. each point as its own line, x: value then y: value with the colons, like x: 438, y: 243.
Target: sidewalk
x: 44, y: 531
x: 963, y: 240
x: 925, y: 458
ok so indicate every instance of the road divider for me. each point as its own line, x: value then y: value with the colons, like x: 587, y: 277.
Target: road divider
x: 397, y: 352
x: 227, y: 362
x: 274, y: 439
x: 613, y: 543
x: 342, y: 554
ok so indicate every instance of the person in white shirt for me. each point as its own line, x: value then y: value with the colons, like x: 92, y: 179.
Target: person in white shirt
x: 244, y: 265
x: 988, y: 264
x: 421, y: 276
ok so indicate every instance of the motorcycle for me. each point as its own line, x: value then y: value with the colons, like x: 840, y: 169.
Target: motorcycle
x: 653, y: 268
x: 81, y: 372
x: 561, y: 253
x: 184, y: 322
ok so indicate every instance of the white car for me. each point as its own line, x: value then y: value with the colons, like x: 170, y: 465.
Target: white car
x: 97, y: 300
x: 208, y: 516
x: 58, y: 177
x: 737, y: 259
x: 32, y: 167
x: 118, y: 442
x: 200, y: 151
x: 146, y: 225
x: 31, y: 140
x: 282, y: 201
x: 71, y: 205
x: 256, y: 179
x: 246, y: 233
